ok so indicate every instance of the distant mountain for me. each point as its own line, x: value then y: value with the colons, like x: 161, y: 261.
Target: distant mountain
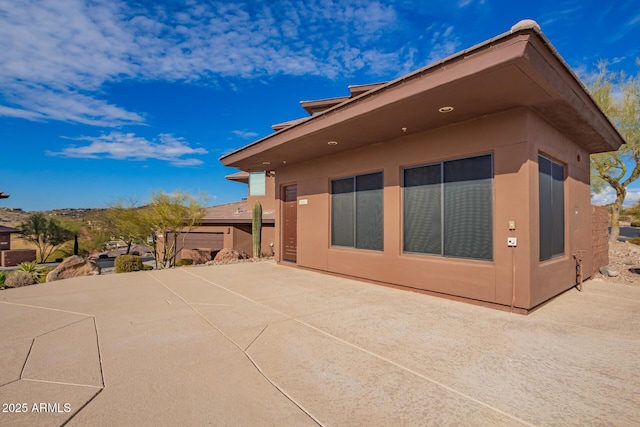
x: 12, y: 217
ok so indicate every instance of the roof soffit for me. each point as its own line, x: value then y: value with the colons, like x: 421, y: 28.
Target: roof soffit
x: 516, y: 70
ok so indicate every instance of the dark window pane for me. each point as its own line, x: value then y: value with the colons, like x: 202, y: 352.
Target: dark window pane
x: 342, y: 212
x: 468, y: 208
x: 545, y: 202
x: 422, y: 210
x: 557, y: 209
x: 369, y: 211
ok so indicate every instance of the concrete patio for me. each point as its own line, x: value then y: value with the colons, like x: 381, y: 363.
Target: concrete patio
x: 261, y: 344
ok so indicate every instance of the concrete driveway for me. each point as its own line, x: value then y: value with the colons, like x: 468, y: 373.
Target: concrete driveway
x: 260, y: 344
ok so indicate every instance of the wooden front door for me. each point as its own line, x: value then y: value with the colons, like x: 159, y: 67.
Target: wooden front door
x: 290, y: 223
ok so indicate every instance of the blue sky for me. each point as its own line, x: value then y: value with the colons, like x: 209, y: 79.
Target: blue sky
x: 106, y: 99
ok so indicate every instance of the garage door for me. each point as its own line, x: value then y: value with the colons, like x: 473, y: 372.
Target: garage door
x: 214, y: 241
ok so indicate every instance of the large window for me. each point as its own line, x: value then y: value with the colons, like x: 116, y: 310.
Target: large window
x: 448, y: 208
x: 357, y: 211
x: 551, y: 189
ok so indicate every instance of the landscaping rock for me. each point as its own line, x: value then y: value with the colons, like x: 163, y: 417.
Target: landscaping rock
x: 227, y: 255
x: 74, y: 266
x: 608, y: 271
x: 624, y: 258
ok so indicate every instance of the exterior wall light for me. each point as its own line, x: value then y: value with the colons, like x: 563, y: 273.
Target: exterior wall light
x: 446, y: 109
x: 332, y: 142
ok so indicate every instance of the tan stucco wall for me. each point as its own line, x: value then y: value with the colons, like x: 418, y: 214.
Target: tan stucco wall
x: 556, y: 275
x: 512, y: 137
x: 238, y: 236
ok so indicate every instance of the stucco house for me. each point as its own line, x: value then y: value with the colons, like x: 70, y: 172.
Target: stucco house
x: 229, y: 225
x: 468, y: 178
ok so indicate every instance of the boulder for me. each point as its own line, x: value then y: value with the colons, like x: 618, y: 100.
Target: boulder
x: 199, y: 256
x: 608, y: 271
x: 228, y: 255
x: 74, y: 266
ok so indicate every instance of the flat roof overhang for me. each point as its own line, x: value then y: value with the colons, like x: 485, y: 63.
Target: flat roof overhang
x: 519, y: 69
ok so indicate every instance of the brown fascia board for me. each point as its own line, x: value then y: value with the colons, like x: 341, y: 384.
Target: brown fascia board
x: 580, y: 109
x: 319, y: 105
x: 360, y: 89
x: 8, y: 230
x: 241, y: 176
x: 513, y: 53
x: 279, y: 126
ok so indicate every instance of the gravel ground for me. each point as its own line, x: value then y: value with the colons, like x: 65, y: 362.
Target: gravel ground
x: 624, y: 257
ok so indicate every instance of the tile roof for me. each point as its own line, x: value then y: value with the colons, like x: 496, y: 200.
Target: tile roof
x: 235, y: 212
x: 4, y: 229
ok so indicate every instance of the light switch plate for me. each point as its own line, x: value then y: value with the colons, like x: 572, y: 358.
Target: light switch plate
x: 512, y: 241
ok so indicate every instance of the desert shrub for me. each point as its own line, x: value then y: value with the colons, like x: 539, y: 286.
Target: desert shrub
x: 184, y: 261
x: 635, y: 240
x: 43, y: 275
x: 36, y: 271
x: 3, y: 276
x: 146, y: 267
x: 18, y: 279
x: 635, y: 223
x: 127, y: 263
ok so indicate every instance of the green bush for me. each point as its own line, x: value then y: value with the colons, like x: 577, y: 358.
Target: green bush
x: 38, y: 272
x: 17, y: 279
x: 135, y: 253
x: 635, y: 240
x: 184, y: 261
x: 3, y: 276
x: 127, y: 263
x: 635, y: 223
x: 43, y: 275
x: 146, y: 267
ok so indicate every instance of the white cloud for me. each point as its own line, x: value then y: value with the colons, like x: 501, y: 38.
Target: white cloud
x: 604, y: 197
x: 443, y: 42
x: 244, y: 134
x: 128, y: 146
x: 58, y: 55
x: 608, y: 195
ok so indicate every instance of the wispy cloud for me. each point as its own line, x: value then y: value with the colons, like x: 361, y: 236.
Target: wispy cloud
x: 443, y: 42
x: 244, y: 134
x: 58, y: 55
x: 128, y: 146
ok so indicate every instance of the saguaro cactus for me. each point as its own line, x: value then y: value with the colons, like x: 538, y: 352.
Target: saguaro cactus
x: 256, y: 229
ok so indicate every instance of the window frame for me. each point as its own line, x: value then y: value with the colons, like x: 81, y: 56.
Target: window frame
x: 355, y: 213
x: 442, y: 183
x: 553, y: 255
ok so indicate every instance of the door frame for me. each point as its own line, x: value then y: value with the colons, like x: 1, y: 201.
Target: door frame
x: 283, y: 193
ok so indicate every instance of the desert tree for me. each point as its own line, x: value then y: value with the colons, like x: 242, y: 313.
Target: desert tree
x: 619, y: 97
x: 47, y: 234
x: 127, y: 222
x: 171, y: 217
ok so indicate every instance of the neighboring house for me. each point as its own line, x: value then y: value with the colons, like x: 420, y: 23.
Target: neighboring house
x: 229, y: 225
x: 9, y: 257
x: 5, y: 237
x: 468, y: 178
